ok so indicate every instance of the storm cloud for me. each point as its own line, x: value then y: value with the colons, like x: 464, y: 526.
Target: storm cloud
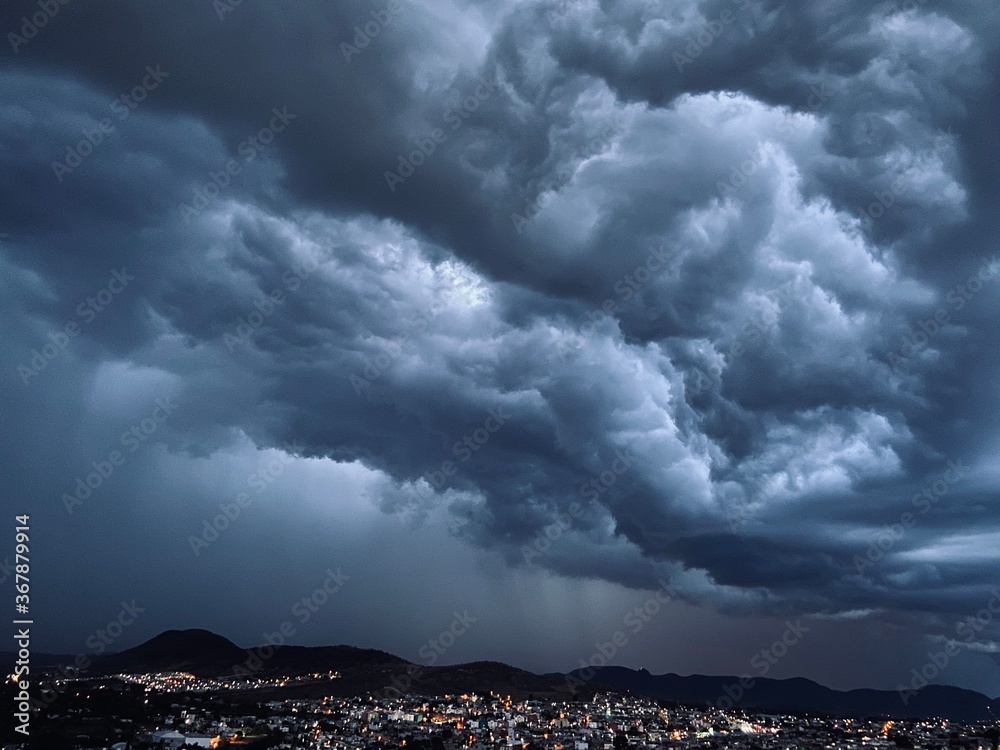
x: 612, y: 292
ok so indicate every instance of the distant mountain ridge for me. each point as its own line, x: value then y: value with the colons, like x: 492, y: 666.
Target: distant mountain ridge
x: 799, y: 695
x: 366, y: 671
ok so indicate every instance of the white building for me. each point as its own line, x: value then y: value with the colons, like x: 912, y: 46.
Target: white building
x: 168, y: 738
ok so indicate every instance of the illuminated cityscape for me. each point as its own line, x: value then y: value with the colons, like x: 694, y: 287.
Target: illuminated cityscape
x: 180, y: 709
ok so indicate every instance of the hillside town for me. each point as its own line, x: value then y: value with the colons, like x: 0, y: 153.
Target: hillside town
x: 169, y: 712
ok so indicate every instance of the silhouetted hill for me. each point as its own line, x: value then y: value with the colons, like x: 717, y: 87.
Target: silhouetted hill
x: 200, y: 652
x: 206, y: 654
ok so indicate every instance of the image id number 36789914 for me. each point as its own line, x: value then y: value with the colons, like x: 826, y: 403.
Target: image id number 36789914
x: 21, y: 566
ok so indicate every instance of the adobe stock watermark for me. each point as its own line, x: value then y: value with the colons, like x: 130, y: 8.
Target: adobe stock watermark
x: 131, y: 440
x: 302, y: 610
x: 258, y: 481
x: 634, y: 621
x: 249, y: 149
x: 630, y: 283
x: 104, y: 637
x: 705, y: 37
x: 886, y: 199
x: 750, y: 332
x: 591, y: 490
x: 753, y: 160
x: 738, y: 516
x: 957, y: 298
x: 363, y: 35
x: 466, y: 284
x: 223, y: 8
x: 122, y: 107
x: 625, y: 288
x: 552, y: 532
x: 266, y: 305
x: 560, y: 9
x: 31, y: 25
x: 414, y: 511
x: 757, y: 156
x: 938, y: 661
x: 430, y: 652
x: 87, y: 311
x: 464, y: 450
x: 762, y: 662
x: 597, y: 485
x: 435, y: 647
x: 98, y: 642
x: 407, y: 164
x: 376, y: 365
x: 900, y: 6
x: 923, y: 501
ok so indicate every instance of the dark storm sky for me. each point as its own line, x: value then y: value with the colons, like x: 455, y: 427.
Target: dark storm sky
x: 739, y: 257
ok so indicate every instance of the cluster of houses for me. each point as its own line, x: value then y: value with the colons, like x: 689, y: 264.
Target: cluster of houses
x: 493, y: 722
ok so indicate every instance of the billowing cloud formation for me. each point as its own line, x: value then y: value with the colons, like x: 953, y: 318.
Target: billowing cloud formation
x: 698, y: 289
